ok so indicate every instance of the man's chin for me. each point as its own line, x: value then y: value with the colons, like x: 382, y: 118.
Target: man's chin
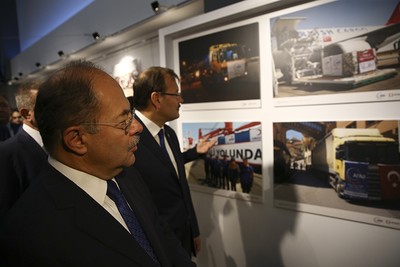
x: 131, y: 160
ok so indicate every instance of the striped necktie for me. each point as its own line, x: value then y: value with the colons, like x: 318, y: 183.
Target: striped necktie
x: 130, y: 219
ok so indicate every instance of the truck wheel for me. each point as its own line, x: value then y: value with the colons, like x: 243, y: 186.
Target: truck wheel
x: 339, y: 187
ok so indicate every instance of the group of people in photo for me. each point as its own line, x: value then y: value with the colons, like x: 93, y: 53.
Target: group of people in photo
x: 226, y: 174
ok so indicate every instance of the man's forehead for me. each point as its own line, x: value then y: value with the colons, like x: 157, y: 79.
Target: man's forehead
x: 112, y: 96
x: 172, y: 80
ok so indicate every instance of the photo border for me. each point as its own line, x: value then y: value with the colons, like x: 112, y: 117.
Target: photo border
x: 223, y: 192
x: 384, y: 95
x: 357, y: 215
x: 230, y: 104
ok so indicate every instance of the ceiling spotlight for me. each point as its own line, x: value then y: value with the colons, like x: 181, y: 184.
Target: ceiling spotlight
x: 60, y: 53
x: 38, y: 64
x: 96, y: 35
x: 158, y: 8
x: 155, y: 6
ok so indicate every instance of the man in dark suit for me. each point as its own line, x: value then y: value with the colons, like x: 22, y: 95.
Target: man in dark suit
x: 21, y: 156
x: 69, y: 215
x: 157, y: 100
x: 5, y: 112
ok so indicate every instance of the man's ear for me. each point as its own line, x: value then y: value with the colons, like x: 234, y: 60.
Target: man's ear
x: 74, y: 139
x: 155, y: 100
x: 25, y: 113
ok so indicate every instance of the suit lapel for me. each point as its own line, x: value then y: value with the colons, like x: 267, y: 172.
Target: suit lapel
x: 147, y: 141
x: 81, y: 210
x: 131, y: 190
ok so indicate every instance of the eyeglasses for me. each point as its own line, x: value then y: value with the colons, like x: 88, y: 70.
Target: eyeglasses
x: 124, y: 125
x: 172, y: 94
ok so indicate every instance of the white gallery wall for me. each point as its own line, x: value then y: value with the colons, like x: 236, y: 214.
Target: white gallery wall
x: 237, y: 232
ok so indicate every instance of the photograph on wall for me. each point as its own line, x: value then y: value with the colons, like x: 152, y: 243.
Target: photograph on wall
x: 343, y: 48
x: 343, y: 169
x: 125, y: 72
x: 222, y: 67
x: 232, y: 167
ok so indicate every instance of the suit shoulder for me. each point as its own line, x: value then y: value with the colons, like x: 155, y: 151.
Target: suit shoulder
x: 7, y: 147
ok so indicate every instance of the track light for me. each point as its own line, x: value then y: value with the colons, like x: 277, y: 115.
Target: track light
x: 155, y: 6
x: 20, y: 74
x: 60, y: 53
x: 38, y: 64
x: 96, y: 35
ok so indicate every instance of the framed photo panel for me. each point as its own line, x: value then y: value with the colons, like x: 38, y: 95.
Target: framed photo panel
x: 233, y: 167
x: 125, y: 72
x: 220, y: 68
x: 318, y: 59
x: 343, y: 169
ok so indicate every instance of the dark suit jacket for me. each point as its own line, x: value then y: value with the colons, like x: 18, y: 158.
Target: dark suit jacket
x: 170, y: 192
x: 4, y: 132
x: 55, y: 223
x: 21, y: 159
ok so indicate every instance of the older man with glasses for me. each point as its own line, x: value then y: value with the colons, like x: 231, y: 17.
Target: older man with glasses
x: 85, y: 208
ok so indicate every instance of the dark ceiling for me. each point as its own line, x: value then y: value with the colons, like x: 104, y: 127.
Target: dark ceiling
x: 9, y: 41
x: 9, y: 37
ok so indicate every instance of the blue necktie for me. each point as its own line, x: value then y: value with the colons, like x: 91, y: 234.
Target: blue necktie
x: 162, y: 141
x: 130, y: 219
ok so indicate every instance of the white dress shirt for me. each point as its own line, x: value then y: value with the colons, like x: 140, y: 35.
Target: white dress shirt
x: 35, y: 134
x: 154, y: 129
x: 92, y: 185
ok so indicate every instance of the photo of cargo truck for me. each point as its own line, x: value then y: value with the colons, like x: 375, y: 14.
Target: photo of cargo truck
x: 362, y: 164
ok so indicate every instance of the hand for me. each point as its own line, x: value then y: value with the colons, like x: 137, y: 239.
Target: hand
x: 203, y: 146
x: 197, y: 244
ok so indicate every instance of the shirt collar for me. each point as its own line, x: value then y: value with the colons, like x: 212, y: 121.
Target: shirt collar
x: 151, y: 126
x: 35, y: 134
x: 92, y: 185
